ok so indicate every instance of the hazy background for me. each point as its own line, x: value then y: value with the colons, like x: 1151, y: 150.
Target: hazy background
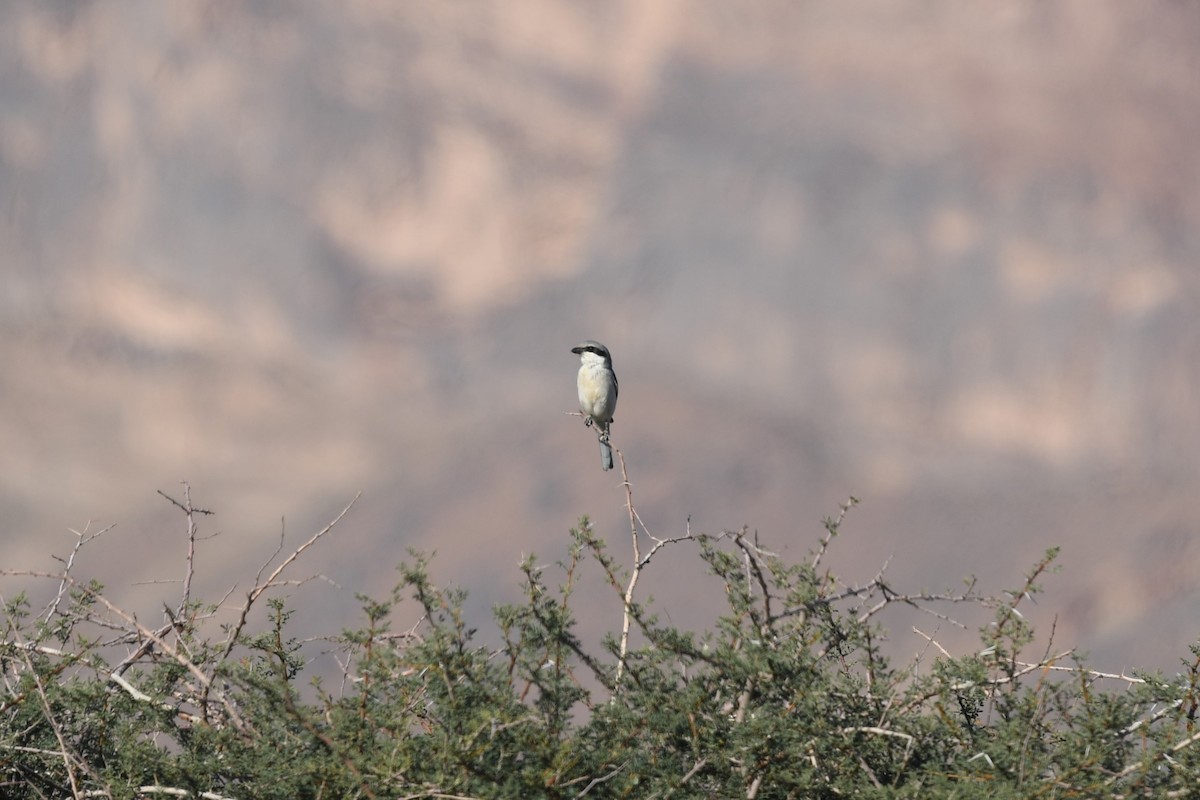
x: 940, y: 256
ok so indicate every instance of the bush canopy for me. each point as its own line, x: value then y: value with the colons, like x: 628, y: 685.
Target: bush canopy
x: 788, y: 693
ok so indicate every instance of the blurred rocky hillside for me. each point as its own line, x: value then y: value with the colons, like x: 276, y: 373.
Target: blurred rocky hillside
x: 939, y: 256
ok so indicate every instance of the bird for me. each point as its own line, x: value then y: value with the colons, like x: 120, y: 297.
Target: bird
x: 597, y: 386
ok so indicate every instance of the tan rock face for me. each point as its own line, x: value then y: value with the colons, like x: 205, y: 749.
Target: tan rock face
x: 941, y: 257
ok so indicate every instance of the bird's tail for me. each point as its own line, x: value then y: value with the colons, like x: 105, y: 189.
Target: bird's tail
x: 606, y: 462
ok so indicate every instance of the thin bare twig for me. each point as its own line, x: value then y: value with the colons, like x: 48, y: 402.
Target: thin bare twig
x: 261, y: 586
x: 1137, y: 765
x: 603, y: 778
x: 81, y: 538
x: 1153, y: 718
x: 932, y: 641
x: 627, y: 598
x: 173, y: 792
x: 699, y: 765
x: 178, y: 616
x: 831, y: 528
x: 640, y: 562
x: 33, y: 648
x: 909, y: 741
x: 133, y: 692
x: 190, y: 512
x: 752, y: 555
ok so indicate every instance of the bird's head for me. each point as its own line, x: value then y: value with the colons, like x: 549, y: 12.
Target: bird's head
x: 592, y: 349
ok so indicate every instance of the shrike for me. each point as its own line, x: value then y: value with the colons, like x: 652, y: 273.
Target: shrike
x: 597, y: 393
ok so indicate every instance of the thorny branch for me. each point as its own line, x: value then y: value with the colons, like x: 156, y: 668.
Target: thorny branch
x: 831, y: 530
x: 81, y: 538
x: 151, y: 640
x: 190, y: 514
x: 261, y: 586
x: 272, y: 581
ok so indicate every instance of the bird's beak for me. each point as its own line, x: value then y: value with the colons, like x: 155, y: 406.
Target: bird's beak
x: 577, y: 349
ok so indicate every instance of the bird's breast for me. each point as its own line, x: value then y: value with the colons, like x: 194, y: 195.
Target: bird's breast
x: 596, y: 394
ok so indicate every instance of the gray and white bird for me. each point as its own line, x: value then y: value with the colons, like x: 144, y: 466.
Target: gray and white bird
x: 597, y: 385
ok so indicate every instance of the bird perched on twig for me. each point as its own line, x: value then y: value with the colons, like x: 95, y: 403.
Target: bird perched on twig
x: 597, y: 385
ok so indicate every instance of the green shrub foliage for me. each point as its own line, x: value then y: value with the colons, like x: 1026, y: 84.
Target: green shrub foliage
x: 789, y: 693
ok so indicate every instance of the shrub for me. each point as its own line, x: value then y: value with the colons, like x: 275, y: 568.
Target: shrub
x: 788, y: 693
